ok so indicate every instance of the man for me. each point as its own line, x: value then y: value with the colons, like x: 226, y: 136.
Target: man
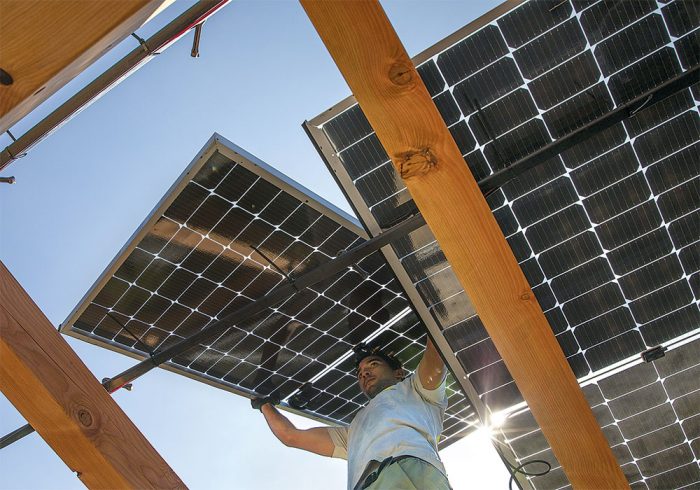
x: 392, y: 441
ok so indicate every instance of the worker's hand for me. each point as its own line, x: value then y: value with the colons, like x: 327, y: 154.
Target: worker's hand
x: 272, y: 398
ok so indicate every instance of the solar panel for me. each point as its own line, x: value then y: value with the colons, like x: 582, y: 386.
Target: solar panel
x: 229, y: 231
x: 606, y: 233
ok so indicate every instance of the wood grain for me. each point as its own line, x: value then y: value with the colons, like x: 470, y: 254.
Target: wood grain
x: 57, y: 394
x: 45, y: 43
x: 380, y: 74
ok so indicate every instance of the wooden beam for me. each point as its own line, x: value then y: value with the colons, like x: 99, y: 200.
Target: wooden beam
x: 45, y: 44
x: 58, y: 395
x: 380, y: 74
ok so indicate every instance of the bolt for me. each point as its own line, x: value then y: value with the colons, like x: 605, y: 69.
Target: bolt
x: 5, y: 78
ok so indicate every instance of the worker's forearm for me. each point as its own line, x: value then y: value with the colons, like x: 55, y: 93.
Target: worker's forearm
x: 431, y: 368
x: 280, y: 425
x: 433, y: 356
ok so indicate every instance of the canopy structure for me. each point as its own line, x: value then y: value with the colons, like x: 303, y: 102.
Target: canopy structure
x: 552, y: 148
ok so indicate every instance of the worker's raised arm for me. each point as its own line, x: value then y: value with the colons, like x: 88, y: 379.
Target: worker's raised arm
x: 316, y: 440
x: 431, y: 368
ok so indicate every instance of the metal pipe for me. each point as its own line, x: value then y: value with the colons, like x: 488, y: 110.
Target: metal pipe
x: 625, y: 111
x: 16, y: 435
x: 161, y: 40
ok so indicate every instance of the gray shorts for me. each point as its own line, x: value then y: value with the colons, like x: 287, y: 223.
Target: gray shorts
x: 410, y: 474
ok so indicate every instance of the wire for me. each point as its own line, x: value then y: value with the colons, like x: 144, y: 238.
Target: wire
x: 519, y: 469
x: 514, y: 470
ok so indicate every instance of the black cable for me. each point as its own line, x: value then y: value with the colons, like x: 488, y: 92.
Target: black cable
x: 519, y: 469
x: 146, y: 348
x: 514, y: 470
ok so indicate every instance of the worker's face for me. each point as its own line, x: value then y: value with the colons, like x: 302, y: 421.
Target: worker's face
x: 374, y: 375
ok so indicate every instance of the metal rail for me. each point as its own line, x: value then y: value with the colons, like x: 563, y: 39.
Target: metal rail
x: 487, y: 185
x: 162, y: 39
x: 622, y: 112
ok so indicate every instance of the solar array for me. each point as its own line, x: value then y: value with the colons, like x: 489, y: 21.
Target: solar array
x: 228, y: 232
x: 607, y: 232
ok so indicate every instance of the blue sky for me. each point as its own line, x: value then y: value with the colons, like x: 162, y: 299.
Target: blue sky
x: 82, y: 192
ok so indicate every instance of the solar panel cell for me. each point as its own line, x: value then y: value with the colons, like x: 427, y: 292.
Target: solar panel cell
x: 641, y: 251
x: 565, y: 81
x: 594, y: 146
x: 557, y: 320
x: 605, y: 170
x: 678, y: 477
x: 661, y: 301
x: 615, y: 349
x: 492, y: 121
x: 516, y: 144
x: 550, y: 49
x: 487, y: 85
x: 608, y: 16
x: 465, y: 333
x: 624, y: 228
x: 690, y: 258
x: 673, y: 170
x: 605, y: 326
x: 651, y: 277
x: 502, y: 397
x: 432, y: 78
x: 687, y: 48
x: 557, y: 228
x: 681, y: 17
x: 545, y: 201
x: 680, y: 200
x: 644, y: 75
x: 448, y: 107
x: 580, y: 109
x: 519, y: 245
x: 617, y: 198
x: 452, y: 310
x: 472, y: 54
x: 584, y: 278
x: 632, y: 43
x: 490, y: 377
x: 532, y: 19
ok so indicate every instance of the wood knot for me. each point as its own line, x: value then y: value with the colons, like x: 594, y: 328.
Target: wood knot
x: 401, y: 73
x: 416, y: 162
x: 85, y: 417
x: 525, y: 296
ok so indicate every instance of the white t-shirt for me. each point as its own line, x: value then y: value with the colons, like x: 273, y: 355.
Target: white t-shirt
x: 403, y: 420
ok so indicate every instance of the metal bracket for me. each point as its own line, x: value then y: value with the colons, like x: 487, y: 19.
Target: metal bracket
x: 654, y: 353
x: 144, y: 44
x: 195, y: 43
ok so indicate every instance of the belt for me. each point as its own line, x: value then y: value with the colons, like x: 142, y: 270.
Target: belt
x: 374, y: 468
